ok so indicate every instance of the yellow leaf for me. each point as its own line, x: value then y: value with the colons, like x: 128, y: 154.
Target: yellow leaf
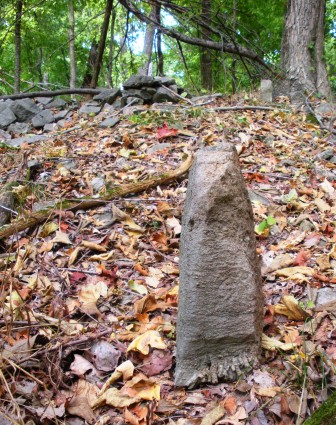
x: 213, y: 416
x: 61, y: 237
x: 268, y: 392
x: 74, y: 255
x: 102, y: 257
x: 48, y: 228
x: 115, y: 398
x: 291, y: 308
x: 322, y: 205
x: 146, y: 340
x: 143, y: 388
x: 291, y: 271
x: 125, y: 370
x: 273, y: 344
x: 89, y: 295
x: 93, y: 246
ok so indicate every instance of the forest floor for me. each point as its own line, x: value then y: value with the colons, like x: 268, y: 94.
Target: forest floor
x: 89, y: 298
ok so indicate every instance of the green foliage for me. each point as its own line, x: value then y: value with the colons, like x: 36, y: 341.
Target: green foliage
x: 257, y: 25
x: 265, y: 225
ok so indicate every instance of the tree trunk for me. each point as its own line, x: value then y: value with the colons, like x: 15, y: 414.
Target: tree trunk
x: 206, y: 61
x: 149, y: 39
x: 111, y: 51
x: 302, y: 50
x: 73, y: 73
x: 159, y: 44
x: 102, y: 41
x: 17, y: 70
x: 90, y: 64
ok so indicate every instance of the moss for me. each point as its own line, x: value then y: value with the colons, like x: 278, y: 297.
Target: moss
x: 325, y: 414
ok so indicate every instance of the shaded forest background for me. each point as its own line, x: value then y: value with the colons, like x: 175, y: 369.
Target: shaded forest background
x: 49, y: 44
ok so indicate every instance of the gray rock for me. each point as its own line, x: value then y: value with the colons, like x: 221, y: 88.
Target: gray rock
x: 173, y: 87
x: 69, y: 164
x: 164, y: 95
x: 24, y: 109
x: 43, y: 118
x: 139, y: 81
x: 325, y: 296
x: 19, y: 128
x: 324, y: 108
x: 118, y: 104
x: 333, y: 160
x: 50, y: 127
x: 143, y: 94
x: 90, y: 109
x: 4, y: 136
x: 4, y: 104
x: 57, y: 104
x: 134, y: 101
x: 30, y: 138
x: 43, y: 100
x: 158, y: 147
x: 97, y: 184
x: 60, y: 115
x: 220, y: 300
x: 165, y: 81
x: 108, y: 96
x: 327, y: 154
x: 109, y: 122
x: 43, y: 205
x: 266, y: 90
x: 6, y: 117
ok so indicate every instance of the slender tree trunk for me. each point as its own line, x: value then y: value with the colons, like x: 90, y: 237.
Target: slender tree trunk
x: 303, y: 49
x: 102, y: 41
x: 149, y: 39
x: 159, y: 43
x: 17, y: 70
x: 73, y: 71
x: 90, y: 64
x: 234, y: 62
x: 206, y: 61
x: 111, y: 51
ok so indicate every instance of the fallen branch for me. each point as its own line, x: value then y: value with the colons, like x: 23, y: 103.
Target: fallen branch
x: 71, y: 205
x: 50, y: 93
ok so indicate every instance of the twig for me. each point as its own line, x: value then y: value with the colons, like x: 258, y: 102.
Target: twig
x: 324, y: 127
x: 245, y: 107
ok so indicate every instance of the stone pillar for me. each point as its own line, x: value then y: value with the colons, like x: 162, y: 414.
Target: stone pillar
x: 220, y: 300
x: 266, y: 90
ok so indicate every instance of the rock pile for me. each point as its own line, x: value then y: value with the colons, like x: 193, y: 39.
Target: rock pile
x: 20, y: 116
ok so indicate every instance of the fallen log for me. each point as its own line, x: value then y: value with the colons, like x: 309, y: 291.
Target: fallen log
x: 50, y: 93
x: 84, y: 204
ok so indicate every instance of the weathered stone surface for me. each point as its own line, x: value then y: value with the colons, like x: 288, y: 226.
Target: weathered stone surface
x: 144, y: 94
x: 4, y: 136
x: 4, y: 104
x: 6, y: 117
x: 164, y: 95
x: 134, y: 101
x: 24, y: 109
x: 108, y: 96
x: 43, y: 118
x: 165, y: 81
x: 61, y: 114
x: 266, y: 90
x: 19, y: 128
x: 57, y: 104
x: 31, y: 138
x: 90, y: 109
x: 109, y: 122
x: 138, y: 81
x: 44, y: 100
x: 47, y: 128
x: 220, y: 299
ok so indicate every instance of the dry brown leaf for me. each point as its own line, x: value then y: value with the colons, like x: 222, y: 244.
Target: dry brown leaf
x: 115, y: 398
x: 291, y: 308
x: 142, y: 387
x: 148, y: 339
x: 213, y: 416
x: 94, y: 246
x: 61, y: 237
x: 273, y: 344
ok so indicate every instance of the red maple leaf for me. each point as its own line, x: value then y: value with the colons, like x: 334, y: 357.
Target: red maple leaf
x: 165, y: 131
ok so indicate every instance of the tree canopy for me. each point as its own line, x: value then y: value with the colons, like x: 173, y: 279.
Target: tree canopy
x: 241, y: 37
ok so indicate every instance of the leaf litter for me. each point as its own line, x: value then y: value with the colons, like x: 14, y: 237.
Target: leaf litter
x: 89, y: 298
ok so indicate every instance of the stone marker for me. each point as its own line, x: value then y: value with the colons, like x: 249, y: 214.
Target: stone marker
x: 266, y: 90
x: 220, y: 300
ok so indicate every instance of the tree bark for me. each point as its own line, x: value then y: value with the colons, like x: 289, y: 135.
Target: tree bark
x: 102, y: 41
x: 111, y: 50
x: 160, y: 70
x: 51, y: 93
x: 90, y: 64
x: 72, y: 53
x: 206, y: 61
x: 17, y: 71
x: 302, y: 50
x: 149, y: 39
